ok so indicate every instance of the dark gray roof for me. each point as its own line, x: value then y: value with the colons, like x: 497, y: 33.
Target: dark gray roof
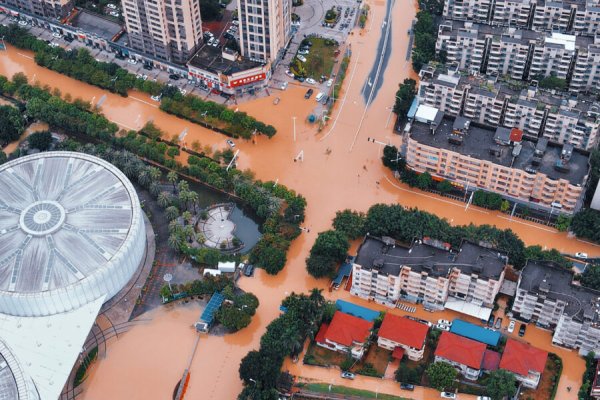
x: 210, y: 59
x: 436, y: 261
x: 99, y: 25
x: 478, y: 142
x: 556, y: 283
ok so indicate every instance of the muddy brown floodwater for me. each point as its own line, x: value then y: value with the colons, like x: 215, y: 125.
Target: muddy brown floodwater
x: 341, y: 169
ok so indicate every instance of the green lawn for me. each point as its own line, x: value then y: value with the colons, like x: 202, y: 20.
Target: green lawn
x: 321, y: 59
x: 365, y: 394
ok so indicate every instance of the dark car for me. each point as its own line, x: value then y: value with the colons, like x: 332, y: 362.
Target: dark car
x: 498, y: 324
x: 174, y: 77
x: 490, y: 322
x: 298, y: 78
x: 148, y: 67
x: 522, y: 330
x: 407, y: 386
x: 309, y: 93
x: 249, y: 270
x: 68, y: 39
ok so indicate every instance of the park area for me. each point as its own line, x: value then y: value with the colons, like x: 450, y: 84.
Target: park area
x: 319, y: 61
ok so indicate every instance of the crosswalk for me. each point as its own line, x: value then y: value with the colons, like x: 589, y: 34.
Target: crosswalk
x: 407, y: 308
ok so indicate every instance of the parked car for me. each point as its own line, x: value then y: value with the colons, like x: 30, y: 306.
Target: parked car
x: 114, y: 13
x: 583, y: 256
x: 53, y: 44
x: 284, y: 85
x: 448, y: 395
x: 249, y: 270
x: 444, y: 322
x: 148, y: 67
x: 483, y: 398
x: 348, y: 375
x: 23, y: 23
x: 215, y: 43
x: 498, y: 324
x: 111, y: 6
x: 407, y: 386
x: 289, y: 73
x: 490, y: 322
x: 522, y: 330
x: 145, y: 77
x: 174, y: 77
x: 304, y: 52
x: 311, y: 81
x: 299, y: 78
x: 132, y: 61
x: 320, y: 97
x: 230, y: 143
x: 276, y: 100
x: 301, y: 58
x: 210, y: 41
x: 56, y: 35
x: 329, y: 82
x: 157, y: 97
x: 308, y: 93
x: 511, y: 327
x: 182, y: 91
x: 443, y: 327
x: 235, y: 22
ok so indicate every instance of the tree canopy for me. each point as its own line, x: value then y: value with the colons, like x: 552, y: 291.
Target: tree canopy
x: 586, y: 224
x: 404, y: 97
x: 11, y: 124
x: 330, y: 248
x: 441, y: 375
x: 351, y: 223
x: 501, y: 384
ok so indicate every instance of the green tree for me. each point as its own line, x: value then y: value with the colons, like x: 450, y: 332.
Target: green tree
x: 11, y: 124
x: 591, y: 277
x: 441, y: 375
x: 175, y: 241
x: 331, y: 243
x: 405, y: 374
x: 171, y: 213
x: 563, y: 222
x: 40, y: 140
x: 232, y: 317
x: 172, y: 178
x: 320, y: 266
x: 504, y: 206
x: 444, y: 186
x: 391, y: 159
x: 164, y: 199
x: 351, y: 223
x: 424, y: 181
x: 404, y: 97
x: 501, y: 384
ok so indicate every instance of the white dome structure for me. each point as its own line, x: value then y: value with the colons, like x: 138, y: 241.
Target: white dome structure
x: 15, y: 384
x: 71, y: 231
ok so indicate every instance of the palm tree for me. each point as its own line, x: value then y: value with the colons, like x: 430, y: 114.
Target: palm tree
x: 200, y: 238
x: 183, y: 185
x: 184, y: 196
x: 171, y: 213
x: 189, y: 232
x: 193, y: 198
x: 172, y: 178
x: 175, y: 241
x: 164, y: 199
x: 154, y: 173
x: 187, y: 216
x: 130, y: 169
x: 154, y: 189
x: 175, y: 228
x: 144, y: 177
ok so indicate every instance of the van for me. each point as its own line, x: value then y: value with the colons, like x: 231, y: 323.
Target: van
x: 556, y: 204
x: 319, y: 97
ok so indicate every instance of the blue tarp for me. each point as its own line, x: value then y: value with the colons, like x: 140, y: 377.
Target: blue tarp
x: 344, y: 271
x: 211, y: 308
x: 356, y: 310
x: 413, y: 109
x: 475, y: 332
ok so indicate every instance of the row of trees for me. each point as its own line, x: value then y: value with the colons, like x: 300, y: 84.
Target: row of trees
x: 285, y: 336
x: 237, y: 312
x: 425, y: 32
x: 588, y: 377
x: 586, y: 224
x: 12, y: 124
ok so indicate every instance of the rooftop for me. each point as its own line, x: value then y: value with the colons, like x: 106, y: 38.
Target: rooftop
x: 403, y: 330
x: 430, y: 256
x: 346, y: 329
x: 356, y: 310
x: 479, y: 143
x: 461, y: 350
x: 491, y: 360
x: 99, y: 25
x: 520, y: 358
x: 549, y: 279
x: 475, y: 332
x: 211, y: 59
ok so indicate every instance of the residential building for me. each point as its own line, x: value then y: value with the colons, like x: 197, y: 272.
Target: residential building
x: 465, y: 44
x: 52, y: 9
x: 168, y: 30
x: 547, y: 296
x: 526, y: 362
x: 595, y: 390
x: 265, y: 28
x: 405, y: 333
x: 464, y: 354
x: 429, y: 272
x: 346, y: 334
x: 485, y: 100
x: 586, y: 73
x: 539, y: 174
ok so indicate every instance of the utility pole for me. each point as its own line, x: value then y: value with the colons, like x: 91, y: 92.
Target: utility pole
x: 294, y: 119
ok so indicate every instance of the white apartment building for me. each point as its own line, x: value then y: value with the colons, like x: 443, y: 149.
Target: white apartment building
x: 265, y: 27
x: 428, y: 272
x: 465, y: 44
x: 586, y: 74
x: 547, y: 296
x: 53, y: 9
x: 169, y: 30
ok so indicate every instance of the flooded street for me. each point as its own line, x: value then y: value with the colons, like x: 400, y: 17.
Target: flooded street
x: 341, y: 169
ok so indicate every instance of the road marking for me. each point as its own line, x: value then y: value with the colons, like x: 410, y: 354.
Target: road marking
x: 144, y: 101
x: 528, y: 224
x: 437, y: 198
x: 125, y: 126
x: 26, y: 56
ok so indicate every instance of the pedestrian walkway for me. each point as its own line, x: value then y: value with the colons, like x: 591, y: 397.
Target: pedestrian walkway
x: 390, y: 370
x: 407, y: 308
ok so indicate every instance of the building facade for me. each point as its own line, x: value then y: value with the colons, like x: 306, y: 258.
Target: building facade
x: 526, y: 362
x: 169, y: 30
x: 52, y: 9
x: 464, y: 354
x: 265, y: 28
x: 345, y: 334
x: 547, y: 296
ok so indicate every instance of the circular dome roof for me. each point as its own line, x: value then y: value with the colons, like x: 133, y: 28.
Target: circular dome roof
x: 14, y: 384
x: 65, y: 219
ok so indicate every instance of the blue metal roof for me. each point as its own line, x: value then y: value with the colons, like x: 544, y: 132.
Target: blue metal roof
x: 356, y: 310
x: 475, y: 332
x: 413, y: 108
x: 208, y: 315
x: 342, y: 273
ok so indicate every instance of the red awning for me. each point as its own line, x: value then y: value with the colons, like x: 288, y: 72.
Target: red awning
x: 398, y: 353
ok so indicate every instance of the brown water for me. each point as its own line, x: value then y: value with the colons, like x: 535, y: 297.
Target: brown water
x: 35, y: 127
x: 148, y: 361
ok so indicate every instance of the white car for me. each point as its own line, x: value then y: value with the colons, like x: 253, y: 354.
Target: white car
x: 114, y: 13
x: 304, y: 52
x: 583, y: 256
x: 132, y: 61
x: 56, y: 35
x: 329, y: 82
x: 230, y: 143
x: 444, y: 322
x: 511, y: 326
x: 183, y: 92
x: 310, y: 81
x: 443, y: 327
x: 236, y: 22
x: 483, y: 398
x: 144, y: 77
x: 301, y: 58
x: 210, y: 41
x: 111, y: 6
x: 23, y: 23
x: 289, y: 73
x: 139, y: 76
x: 156, y: 98
x: 215, y: 43
x: 53, y: 44
x: 284, y: 85
x: 447, y: 395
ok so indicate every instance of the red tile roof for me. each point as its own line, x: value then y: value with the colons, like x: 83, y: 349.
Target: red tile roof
x: 403, y: 330
x: 516, y: 135
x: 346, y: 329
x: 461, y: 350
x: 398, y: 353
x: 491, y: 360
x: 520, y: 358
x: 320, y: 338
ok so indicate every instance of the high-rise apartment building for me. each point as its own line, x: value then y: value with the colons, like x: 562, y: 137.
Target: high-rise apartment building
x: 169, y: 30
x: 44, y: 8
x: 265, y: 27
